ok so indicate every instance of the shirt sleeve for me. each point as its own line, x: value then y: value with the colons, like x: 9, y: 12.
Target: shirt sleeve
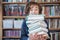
x: 24, y: 31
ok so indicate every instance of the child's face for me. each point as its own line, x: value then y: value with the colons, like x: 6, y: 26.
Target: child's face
x: 34, y: 9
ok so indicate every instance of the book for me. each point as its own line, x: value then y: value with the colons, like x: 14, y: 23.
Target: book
x: 7, y: 23
x: 52, y: 12
x: 18, y: 23
x: 5, y: 0
x: 9, y: 0
x: 24, y: 1
x: 14, y: 0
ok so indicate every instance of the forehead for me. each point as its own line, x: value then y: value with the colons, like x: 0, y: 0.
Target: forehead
x: 32, y: 6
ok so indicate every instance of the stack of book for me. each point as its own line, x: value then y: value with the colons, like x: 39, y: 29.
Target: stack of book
x: 36, y: 23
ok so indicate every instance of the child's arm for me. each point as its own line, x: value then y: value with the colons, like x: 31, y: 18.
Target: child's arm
x: 24, y: 31
x: 47, y: 28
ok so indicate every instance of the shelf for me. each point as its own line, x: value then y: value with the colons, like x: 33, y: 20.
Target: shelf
x: 11, y: 37
x: 52, y: 17
x: 56, y: 29
x: 13, y: 3
x: 20, y: 29
x: 13, y: 16
x: 24, y: 17
x: 26, y: 2
x: 11, y: 28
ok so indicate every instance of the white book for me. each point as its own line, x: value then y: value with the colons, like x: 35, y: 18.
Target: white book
x: 56, y: 36
x: 42, y: 0
x: 14, y: 0
x: 24, y: 1
x: 42, y: 24
x: 18, y: 23
x: 48, y: 0
x: 9, y: 0
x: 56, y: 20
x: 59, y: 24
x: 43, y: 9
x: 34, y: 24
x: 39, y: 30
x: 35, y: 17
x: 7, y: 23
x: 19, y: 0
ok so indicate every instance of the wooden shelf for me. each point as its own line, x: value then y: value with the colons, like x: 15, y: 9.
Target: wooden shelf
x: 13, y: 16
x: 13, y: 3
x: 24, y: 17
x: 52, y: 17
x: 11, y: 37
x: 27, y: 2
x: 11, y: 28
x: 57, y: 29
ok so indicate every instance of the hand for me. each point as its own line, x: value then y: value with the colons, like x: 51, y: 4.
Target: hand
x: 43, y: 37
x: 34, y: 37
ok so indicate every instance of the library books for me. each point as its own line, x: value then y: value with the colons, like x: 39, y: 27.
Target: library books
x: 18, y: 23
x: 55, y: 35
x: 52, y: 23
x: 51, y: 10
x: 12, y: 23
x: 31, y: 0
x: 12, y: 33
x: 8, y: 23
x: 17, y: 0
x: 46, y: 0
x: 14, y: 10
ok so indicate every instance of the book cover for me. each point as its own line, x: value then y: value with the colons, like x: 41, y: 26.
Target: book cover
x: 52, y: 11
x: 9, y: 0
x: 18, y: 23
x: 7, y: 23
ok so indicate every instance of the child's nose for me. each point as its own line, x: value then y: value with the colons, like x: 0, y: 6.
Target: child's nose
x: 33, y: 11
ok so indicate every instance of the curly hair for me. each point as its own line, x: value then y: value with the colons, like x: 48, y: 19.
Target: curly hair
x: 27, y: 9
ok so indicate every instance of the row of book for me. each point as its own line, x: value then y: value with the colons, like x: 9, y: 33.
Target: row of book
x: 30, y: 0
x: 12, y: 33
x: 19, y: 10
x: 51, y: 10
x: 14, y: 10
x: 17, y: 0
x: 46, y: 0
x: 53, y: 23
x: 55, y: 35
x: 11, y: 23
x: 10, y: 39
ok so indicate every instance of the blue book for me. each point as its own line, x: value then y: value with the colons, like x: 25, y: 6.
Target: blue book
x: 6, y: 39
x: 5, y: 0
x: 9, y: 0
x: 52, y: 11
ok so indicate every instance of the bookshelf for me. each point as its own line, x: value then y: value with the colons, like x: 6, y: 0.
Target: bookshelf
x: 2, y: 17
x: 47, y: 17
